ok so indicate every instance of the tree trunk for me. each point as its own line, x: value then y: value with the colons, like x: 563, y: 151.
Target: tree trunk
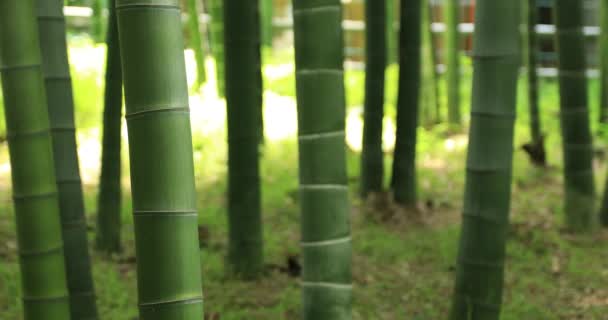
x: 372, y: 158
x: 452, y: 40
x: 326, y: 244
x: 576, y: 135
x: 604, y: 62
x: 216, y: 31
x: 162, y: 169
x: 109, y: 198
x: 56, y: 72
x: 196, y: 43
x: 404, y: 163
x: 496, y: 60
x: 243, y: 106
x: 43, y: 276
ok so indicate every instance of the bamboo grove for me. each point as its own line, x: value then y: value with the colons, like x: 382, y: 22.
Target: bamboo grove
x: 146, y: 69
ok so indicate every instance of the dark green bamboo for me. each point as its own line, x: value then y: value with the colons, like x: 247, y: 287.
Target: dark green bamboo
x: 216, y: 32
x: 162, y: 169
x: 433, y: 60
x: 391, y: 32
x: 196, y: 42
x: 372, y: 158
x: 266, y: 14
x: 574, y: 116
x: 97, y: 20
x: 56, y: 72
x: 109, y: 198
x: 604, y: 61
x: 43, y: 275
x: 604, y: 207
x: 481, y: 254
x: 536, y: 147
x: 452, y: 58
x: 404, y: 162
x: 428, y: 98
x: 241, y: 34
x: 326, y: 243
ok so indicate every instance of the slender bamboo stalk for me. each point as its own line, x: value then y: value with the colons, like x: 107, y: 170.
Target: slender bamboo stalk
x: 97, y: 20
x: 576, y: 134
x: 162, y: 169
x: 428, y: 97
x: 43, y: 276
x: 404, y: 163
x: 243, y: 104
x: 266, y: 10
x: 109, y: 198
x: 391, y: 33
x: 604, y: 207
x: 481, y: 257
x: 372, y: 158
x: 196, y: 42
x: 452, y: 40
x: 326, y: 244
x: 216, y: 32
x: 604, y: 61
x: 56, y: 72
x: 433, y: 59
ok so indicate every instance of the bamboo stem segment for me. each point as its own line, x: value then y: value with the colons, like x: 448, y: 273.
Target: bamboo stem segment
x: 452, y: 40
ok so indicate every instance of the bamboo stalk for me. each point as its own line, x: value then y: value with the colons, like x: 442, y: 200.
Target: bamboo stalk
x: 481, y: 254
x: 452, y: 41
x: 326, y: 245
x: 162, y: 169
x: 216, y: 32
x: 604, y: 61
x: 36, y: 202
x: 267, y: 12
x: 58, y: 83
x: 196, y: 42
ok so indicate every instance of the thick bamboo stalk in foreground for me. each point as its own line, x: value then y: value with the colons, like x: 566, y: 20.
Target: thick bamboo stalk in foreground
x: 43, y: 274
x: 326, y: 243
x: 481, y: 254
x: 372, y: 158
x: 404, y: 163
x: 574, y: 116
x: 243, y: 74
x: 109, y: 198
x: 56, y: 72
x: 162, y: 169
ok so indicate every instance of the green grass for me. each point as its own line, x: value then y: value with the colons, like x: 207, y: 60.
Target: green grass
x: 403, y: 262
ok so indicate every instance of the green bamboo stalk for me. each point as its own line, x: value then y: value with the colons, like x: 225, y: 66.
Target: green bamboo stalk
x: 56, y: 72
x: 428, y: 98
x: 604, y: 207
x: 216, y: 32
x: 481, y: 258
x: 43, y: 274
x: 391, y: 32
x: 536, y: 148
x: 241, y: 34
x: 97, y: 20
x: 433, y: 60
x: 372, y: 158
x: 109, y: 198
x: 576, y: 134
x: 267, y: 12
x: 404, y: 163
x: 452, y: 58
x: 196, y: 43
x: 162, y: 169
x: 326, y: 243
x: 604, y: 61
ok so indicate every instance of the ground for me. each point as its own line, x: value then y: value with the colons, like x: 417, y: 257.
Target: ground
x: 403, y: 260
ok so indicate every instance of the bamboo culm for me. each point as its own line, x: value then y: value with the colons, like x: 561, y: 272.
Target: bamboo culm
x: 391, y: 31
x: 604, y: 61
x: 36, y: 202
x: 161, y: 160
x: 326, y: 244
x: 109, y: 198
x: 216, y: 32
x: 58, y: 83
x: 404, y: 163
x: 243, y: 76
x: 266, y: 14
x: 574, y: 117
x: 452, y: 40
x: 372, y: 157
x: 196, y: 42
x: 481, y: 253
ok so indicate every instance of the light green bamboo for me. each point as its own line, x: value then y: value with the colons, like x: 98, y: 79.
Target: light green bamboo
x: 604, y: 61
x: 326, y: 245
x: 109, y: 198
x: 243, y: 74
x: 40, y: 247
x: 162, y: 169
x: 196, y: 42
x: 266, y: 14
x: 574, y: 115
x: 56, y: 72
x: 452, y: 58
x: 372, y: 157
x: 428, y: 98
x: 404, y: 164
x: 481, y: 254
x: 216, y: 32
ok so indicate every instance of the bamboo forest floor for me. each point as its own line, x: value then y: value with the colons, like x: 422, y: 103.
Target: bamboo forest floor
x: 403, y: 260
